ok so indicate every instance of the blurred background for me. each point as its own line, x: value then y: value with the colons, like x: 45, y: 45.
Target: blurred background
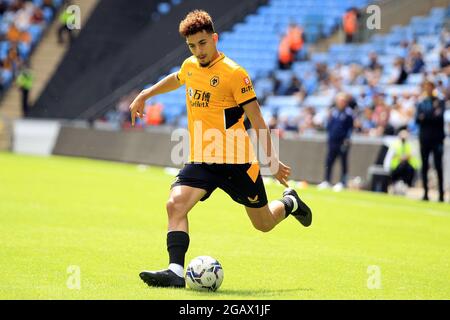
x: 70, y: 69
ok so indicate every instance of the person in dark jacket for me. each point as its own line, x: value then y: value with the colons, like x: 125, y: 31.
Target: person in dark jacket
x: 430, y: 119
x: 339, y: 129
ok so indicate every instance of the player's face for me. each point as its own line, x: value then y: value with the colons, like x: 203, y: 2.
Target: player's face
x: 203, y: 46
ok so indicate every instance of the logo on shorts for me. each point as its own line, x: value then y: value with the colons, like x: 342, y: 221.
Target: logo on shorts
x: 247, y: 81
x: 254, y: 200
x: 214, y: 81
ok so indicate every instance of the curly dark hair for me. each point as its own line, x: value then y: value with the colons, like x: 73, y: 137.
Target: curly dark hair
x: 196, y: 21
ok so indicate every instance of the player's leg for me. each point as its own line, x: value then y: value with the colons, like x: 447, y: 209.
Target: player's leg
x: 266, y: 218
x: 344, y: 164
x: 425, y: 153
x: 438, y: 153
x: 333, y: 152
x: 194, y: 183
x: 181, y: 200
x: 244, y: 184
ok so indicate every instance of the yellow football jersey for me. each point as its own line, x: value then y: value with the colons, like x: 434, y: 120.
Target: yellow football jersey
x: 214, y: 98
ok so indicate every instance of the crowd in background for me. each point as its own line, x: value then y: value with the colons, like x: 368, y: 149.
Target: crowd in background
x: 17, y: 20
x: 375, y: 112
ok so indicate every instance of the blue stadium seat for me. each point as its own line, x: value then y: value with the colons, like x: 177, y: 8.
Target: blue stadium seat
x: 48, y: 14
x: 318, y: 102
x: 282, y: 101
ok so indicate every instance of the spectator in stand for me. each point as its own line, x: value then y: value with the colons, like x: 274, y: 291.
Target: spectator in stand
x: 350, y: 24
x: 372, y: 89
x: 363, y: 101
x: 398, y: 117
x: 22, y: 18
x: 415, y: 62
x: 430, y: 118
x: 13, y: 60
x: 404, y: 49
x: 273, y: 122
x: 373, y: 62
x: 296, y: 89
x: 364, y: 123
x: 414, y: 46
x: 408, y: 101
x: 285, y: 56
x: 351, y: 102
x: 322, y: 71
x: 296, y: 39
x: 339, y: 129
x: 307, y: 125
x: 276, y: 83
x: 381, y: 113
x: 444, y: 60
x: 289, y: 123
x: 399, y: 74
x: 37, y: 17
x: 15, y: 35
x: 443, y: 91
x: 154, y: 114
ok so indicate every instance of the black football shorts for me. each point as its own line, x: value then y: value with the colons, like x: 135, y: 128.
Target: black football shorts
x: 242, y: 182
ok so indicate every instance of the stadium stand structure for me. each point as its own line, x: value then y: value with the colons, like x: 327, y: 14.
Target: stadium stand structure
x: 259, y: 58
x: 424, y: 30
x: 44, y: 60
x: 254, y: 43
x: 116, y: 52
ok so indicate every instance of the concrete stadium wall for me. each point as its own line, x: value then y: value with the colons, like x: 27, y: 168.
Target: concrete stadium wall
x: 306, y: 156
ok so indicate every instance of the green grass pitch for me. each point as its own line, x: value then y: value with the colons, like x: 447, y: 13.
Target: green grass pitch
x: 108, y: 220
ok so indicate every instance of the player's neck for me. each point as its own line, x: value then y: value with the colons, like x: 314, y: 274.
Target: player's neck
x: 215, y: 56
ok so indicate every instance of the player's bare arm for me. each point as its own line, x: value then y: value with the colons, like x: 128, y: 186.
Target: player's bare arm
x: 167, y: 84
x: 281, y: 171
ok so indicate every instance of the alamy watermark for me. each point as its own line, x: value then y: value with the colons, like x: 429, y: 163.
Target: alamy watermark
x: 374, y: 279
x: 374, y: 19
x: 74, y: 280
x: 74, y: 20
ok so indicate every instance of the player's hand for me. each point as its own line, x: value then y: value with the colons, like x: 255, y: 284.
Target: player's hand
x: 137, y: 109
x: 283, y: 174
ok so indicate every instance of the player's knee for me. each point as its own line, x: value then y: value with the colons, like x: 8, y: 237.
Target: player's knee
x: 175, y: 208
x: 263, y: 227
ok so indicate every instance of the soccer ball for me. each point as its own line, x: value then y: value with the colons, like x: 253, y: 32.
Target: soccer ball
x: 204, y: 273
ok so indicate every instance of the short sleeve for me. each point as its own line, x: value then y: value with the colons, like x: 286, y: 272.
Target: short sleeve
x: 242, y: 87
x: 181, y: 75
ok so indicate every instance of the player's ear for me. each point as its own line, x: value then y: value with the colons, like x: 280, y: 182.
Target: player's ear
x: 215, y: 37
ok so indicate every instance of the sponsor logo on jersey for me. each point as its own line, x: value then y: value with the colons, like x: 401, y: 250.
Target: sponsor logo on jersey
x: 214, y: 82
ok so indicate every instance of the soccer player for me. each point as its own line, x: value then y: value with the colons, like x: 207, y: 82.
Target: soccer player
x: 218, y: 94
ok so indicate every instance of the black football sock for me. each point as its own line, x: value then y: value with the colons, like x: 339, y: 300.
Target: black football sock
x: 177, y: 246
x: 288, y: 205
